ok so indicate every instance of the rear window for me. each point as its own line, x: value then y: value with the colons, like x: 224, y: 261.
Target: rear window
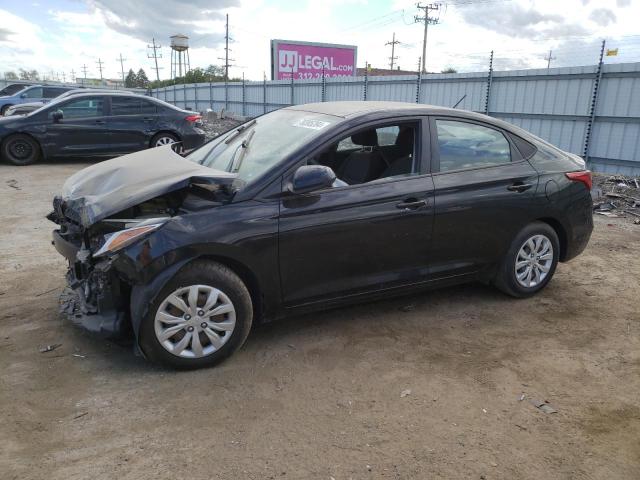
x: 469, y: 145
x: 131, y: 106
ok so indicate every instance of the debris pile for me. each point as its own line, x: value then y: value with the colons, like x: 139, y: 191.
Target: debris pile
x: 617, y: 196
x: 213, y: 127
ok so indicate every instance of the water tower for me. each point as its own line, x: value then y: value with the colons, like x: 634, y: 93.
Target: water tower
x: 180, y: 64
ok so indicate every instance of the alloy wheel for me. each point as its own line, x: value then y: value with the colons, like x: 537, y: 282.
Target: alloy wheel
x: 195, y: 321
x: 160, y: 141
x: 534, y: 261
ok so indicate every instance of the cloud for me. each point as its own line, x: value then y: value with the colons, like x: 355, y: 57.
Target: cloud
x: 4, y: 34
x: 516, y: 20
x: 147, y: 19
x: 623, y: 3
x: 603, y: 16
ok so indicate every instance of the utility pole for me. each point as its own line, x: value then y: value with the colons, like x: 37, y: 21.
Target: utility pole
x: 64, y: 77
x: 122, y: 67
x: 549, y: 58
x: 393, y: 44
x: 100, y: 62
x: 84, y: 70
x: 226, y: 51
x: 155, y: 56
x: 426, y: 20
x: 73, y: 75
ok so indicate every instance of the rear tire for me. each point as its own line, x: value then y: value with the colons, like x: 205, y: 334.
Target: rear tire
x: 181, y: 329
x: 165, y: 138
x: 21, y: 149
x: 530, y: 262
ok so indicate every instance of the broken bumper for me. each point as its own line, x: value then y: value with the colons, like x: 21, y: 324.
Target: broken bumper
x: 110, y: 323
x: 95, y: 296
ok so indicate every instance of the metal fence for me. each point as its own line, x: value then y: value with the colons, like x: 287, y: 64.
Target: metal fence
x: 593, y: 111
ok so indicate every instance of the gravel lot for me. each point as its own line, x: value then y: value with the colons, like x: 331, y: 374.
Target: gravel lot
x: 426, y: 386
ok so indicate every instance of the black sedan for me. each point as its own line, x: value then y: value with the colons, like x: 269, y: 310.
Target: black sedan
x: 97, y: 125
x: 309, y: 207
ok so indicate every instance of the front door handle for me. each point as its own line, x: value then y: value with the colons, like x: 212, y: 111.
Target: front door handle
x: 412, y: 204
x: 100, y: 122
x: 148, y: 119
x: 519, y: 187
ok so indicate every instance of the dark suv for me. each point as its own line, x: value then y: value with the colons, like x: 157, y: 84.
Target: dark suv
x: 309, y: 207
x: 97, y: 124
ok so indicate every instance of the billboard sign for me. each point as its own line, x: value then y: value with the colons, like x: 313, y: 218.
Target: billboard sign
x: 306, y: 60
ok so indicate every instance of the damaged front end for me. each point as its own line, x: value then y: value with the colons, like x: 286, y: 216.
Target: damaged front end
x: 115, y: 207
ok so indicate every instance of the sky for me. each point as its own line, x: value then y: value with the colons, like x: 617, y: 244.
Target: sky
x: 61, y: 36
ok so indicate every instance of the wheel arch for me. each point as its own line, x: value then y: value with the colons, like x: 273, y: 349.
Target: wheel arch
x: 560, y: 231
x: 160, y: 132
x: 143, y: 295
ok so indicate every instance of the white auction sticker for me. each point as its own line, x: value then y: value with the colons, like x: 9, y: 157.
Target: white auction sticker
x: 311, y: 123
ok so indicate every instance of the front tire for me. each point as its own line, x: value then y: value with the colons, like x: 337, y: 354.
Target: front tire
x: 530, y: 262
x: 199, y: 318
x: 4, y: 109
x: 21, y: 149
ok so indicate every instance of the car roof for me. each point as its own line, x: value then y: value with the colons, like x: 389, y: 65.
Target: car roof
x: 360, y: 108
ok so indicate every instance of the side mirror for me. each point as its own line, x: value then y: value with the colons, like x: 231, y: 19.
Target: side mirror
x: 57, y: 115
x: 24, y: 95
x: 312, y: 177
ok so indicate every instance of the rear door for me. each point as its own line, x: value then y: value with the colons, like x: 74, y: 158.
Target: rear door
x: 483, y: 194
x: 81, y: 131
x: 132, y: 123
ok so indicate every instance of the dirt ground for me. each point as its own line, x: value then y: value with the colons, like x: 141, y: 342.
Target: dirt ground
x: 321, y: 396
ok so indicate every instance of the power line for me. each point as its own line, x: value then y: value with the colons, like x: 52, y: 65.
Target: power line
x: 121, y: 66
x: 393, y: 44
x: 155, y: 56
x: 426, y: 20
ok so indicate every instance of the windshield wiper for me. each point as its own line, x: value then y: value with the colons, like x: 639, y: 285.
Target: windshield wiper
x: 238, y: 131
x: 244, y: 145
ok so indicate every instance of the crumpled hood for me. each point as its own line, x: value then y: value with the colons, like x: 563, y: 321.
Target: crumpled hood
x: 109, y: 187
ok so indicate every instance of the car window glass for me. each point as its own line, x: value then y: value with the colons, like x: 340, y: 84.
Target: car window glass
x: 259, y: 145
x: 148, y: 107
x: 388, y: 135
x: 33, y: 93
x: 467, y: 145
x: 372, y: 154
x: 51, y: 92
x: 125, y: 106
x: 82, y: 107
x: 12, y: 89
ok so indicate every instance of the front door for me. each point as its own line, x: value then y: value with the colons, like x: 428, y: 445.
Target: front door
x: 371, y: 231
x: 483, y: 191
x: 82, y: 130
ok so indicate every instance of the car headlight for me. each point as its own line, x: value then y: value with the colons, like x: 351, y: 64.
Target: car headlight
x: 121, y: 239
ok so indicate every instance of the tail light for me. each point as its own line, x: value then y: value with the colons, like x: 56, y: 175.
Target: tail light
x: 583, y: 177
x: 193, y: 118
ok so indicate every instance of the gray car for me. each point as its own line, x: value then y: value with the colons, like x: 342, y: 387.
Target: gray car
x: 33, y: 93
x: 24, y: 108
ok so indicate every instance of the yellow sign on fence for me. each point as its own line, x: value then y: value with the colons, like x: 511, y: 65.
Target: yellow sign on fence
x: 612, y: 52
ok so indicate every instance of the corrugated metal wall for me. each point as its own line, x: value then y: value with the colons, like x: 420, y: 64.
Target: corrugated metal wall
x: 554, y: 104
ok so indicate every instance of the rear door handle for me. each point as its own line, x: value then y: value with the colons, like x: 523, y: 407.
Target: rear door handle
x: 100, y: 122
x: 148, y: 119
x: 412, y: 204
x: 519, y: 187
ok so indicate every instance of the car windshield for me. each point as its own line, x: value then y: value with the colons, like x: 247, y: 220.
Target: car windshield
x: 258, y: 145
